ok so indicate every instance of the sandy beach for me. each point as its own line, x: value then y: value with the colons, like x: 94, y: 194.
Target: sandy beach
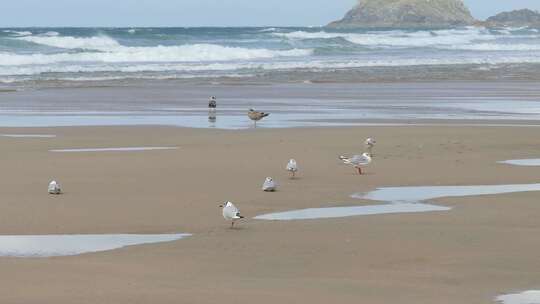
x: 483, y: 247
x: 132, y: 131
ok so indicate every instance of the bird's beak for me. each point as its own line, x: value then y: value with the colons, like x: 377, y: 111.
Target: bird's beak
x: 220, y: 206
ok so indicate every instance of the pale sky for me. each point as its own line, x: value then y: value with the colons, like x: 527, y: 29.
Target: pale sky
x: 27, y: 13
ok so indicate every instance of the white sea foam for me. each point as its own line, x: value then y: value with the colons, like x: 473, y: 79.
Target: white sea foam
x: 51, y: 34
x: 67, y: 67
x: 526, y: 297
x: 18, y: 33
x: 111, y: 51
x: 268, y: 30
x: 496, y: 47
x: 66, y: 42
x: 400, y: 38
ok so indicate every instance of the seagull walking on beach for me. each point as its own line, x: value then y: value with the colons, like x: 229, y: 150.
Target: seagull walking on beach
x: 292, y: 167
x: 231, y: 213
x: 269, y: 185
x: 256, y: 115
x: 370, y: 143
x: 54, y: 188
x: 357, y: 161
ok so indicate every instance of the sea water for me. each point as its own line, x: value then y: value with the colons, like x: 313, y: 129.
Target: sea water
x: 86, y: 54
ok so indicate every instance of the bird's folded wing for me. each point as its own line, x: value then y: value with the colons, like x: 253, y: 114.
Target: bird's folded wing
x: 359, y: 159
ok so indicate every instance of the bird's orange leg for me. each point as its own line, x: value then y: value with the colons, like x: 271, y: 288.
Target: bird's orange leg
x: 359, y: 170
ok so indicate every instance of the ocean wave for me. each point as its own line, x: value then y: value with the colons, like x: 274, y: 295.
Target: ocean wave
x: 496, y: 47
x: 325, y: 65
x: 110, y: 52
x: 253, y: 67
x: 51, y: 34
x: 18, y: 33
x: 185, y: 53
x: 10, y: 80
x: 399, y: 38
x: 268, y: 30
x: 100, y: 43
x: 120, y: 68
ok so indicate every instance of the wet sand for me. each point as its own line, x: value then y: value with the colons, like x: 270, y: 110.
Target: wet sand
x: 290, y: 104
x: 483, y: 247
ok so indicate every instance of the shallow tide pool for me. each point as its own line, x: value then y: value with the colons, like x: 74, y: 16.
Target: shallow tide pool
x: 28, y: 135
x: 39, y: 246
x: 398, y: 200
x: 522, y: 162
x: 526, y: 297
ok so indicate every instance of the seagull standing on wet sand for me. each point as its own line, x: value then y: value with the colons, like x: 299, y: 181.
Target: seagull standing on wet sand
x: 370, y: 143
x: 292, y: 167
x: 269, y: 185
x: 54, y: 188
x: 357, y: 161
x: 256, y: 115
x: 231, y: 213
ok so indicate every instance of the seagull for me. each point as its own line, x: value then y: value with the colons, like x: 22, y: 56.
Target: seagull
x: 292, y: 167
x: 212, y: 104
x: 269, y: 185
x: 54, y: 188
x: 231, y: 213
x: 256, y: 115
x: 357, y: 161
x: 370, y: 143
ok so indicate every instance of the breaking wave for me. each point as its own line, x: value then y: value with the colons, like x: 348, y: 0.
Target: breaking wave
x: 183, y: 52
x: 399, y: 38
x: 106, y: 49
x: 90, y: 43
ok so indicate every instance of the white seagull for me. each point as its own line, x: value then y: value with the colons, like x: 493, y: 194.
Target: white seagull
x: 231, y: 213
x: 54, y: 188
x: 292, y: 167
x: 370, y: 143
x: 357, y: 161
x: 269, y: 185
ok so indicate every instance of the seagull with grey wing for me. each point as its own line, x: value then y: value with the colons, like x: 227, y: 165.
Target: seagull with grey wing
x: 358, y: 161
x: 231, y: 213
x: 256, y: 115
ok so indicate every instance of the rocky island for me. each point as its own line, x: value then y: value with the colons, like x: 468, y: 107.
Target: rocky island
x: 523, y: 17
x: 406, y: 14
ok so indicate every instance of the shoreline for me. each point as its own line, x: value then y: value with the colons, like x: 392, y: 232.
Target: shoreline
x: 290, y: 105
